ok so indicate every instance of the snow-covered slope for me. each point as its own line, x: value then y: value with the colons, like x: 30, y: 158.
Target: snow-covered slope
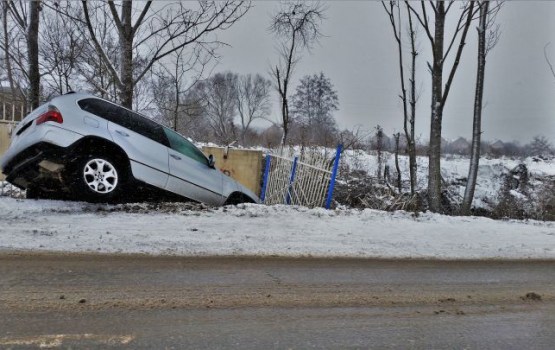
x: 490, y: 172
x: 259, y: 230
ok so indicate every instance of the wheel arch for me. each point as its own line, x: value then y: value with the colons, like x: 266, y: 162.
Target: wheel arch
x: 93, y: 144
x: 81, y: 152
x: 237, y: 198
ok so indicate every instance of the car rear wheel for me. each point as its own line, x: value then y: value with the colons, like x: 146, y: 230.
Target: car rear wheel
x: 99, y: 178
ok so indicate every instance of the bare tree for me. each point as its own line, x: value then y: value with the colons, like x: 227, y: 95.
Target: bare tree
x: 353, y: 138
x: 432, y: 17
x: 485, y: 44
x: 61, y: 53
x: 92, y: 68
x: 393, y: 10
x: 147, y: 35
x: 6, y: 45
x: 218, y: 99
x: 253, y: 101
x: 20, y: 45
x: 410, y: 129
x: 172, y: 82
x: 540, y: 146
x: 297, y: 26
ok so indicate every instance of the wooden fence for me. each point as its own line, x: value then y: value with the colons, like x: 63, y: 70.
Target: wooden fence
x: 11, y: 113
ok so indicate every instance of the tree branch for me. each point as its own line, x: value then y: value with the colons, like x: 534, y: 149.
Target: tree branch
x: 547, y: 59
x: 97, y: 45
x: 458, y: 56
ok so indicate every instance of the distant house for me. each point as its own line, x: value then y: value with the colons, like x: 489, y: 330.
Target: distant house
x: 443, y: 145
x: 497, y: 148
x: 11, y: 109
x: 460, y: 146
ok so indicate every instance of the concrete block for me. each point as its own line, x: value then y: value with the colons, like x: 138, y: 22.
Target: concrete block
x: 244, y: 166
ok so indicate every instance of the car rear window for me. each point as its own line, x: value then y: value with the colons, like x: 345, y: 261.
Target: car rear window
x: 126, y: 118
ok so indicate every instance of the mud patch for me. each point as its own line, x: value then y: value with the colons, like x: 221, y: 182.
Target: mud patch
x: 532, y: 296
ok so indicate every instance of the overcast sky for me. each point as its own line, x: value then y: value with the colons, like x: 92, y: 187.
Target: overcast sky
x: 359, y: 55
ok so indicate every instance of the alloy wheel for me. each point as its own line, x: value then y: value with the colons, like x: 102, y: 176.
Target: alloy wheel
x: 100, y: 175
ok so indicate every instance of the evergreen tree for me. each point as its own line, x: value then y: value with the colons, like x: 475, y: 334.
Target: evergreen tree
x: 314, y: 103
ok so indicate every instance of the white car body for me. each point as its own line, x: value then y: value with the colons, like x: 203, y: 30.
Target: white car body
x: 156, y: 155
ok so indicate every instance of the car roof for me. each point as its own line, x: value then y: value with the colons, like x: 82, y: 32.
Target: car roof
x: 77, y: 96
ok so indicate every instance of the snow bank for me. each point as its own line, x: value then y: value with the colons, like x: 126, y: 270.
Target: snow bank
x: 491, y: 171
x: 258, y: 230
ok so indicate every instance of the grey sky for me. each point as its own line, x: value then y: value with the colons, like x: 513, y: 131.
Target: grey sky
x: 359, y: 55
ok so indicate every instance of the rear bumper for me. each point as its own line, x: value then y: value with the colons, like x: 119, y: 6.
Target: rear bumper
x: 24, y: 168
x: 47, y: 142
x: 47, y: 133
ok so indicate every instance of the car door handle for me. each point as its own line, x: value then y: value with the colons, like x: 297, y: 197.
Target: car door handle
x: 122, y: 133
x: 174, y: 156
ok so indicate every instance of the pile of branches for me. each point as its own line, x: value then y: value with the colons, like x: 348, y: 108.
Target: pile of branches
x: 359, y: 190
x: 524, y: 196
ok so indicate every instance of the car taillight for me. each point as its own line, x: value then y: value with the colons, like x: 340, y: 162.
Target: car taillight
x: 52, y: 115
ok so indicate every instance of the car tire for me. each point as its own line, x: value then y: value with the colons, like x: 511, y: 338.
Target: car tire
x: 99, y: 178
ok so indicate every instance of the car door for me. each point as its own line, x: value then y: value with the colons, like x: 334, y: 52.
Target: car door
x: 190, y: 173
x: 145, y: 143
x: 143, y: 140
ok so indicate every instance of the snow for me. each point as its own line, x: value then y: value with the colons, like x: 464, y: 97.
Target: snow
x: 491, y: 171
x: 257, y: 230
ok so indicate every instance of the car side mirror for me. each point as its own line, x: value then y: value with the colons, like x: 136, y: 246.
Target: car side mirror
x: 211, y: 161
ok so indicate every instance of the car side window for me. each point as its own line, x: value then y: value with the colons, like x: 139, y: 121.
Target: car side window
x: 182, y: 145
x: 97, y: 107
x: 126, y: 118
x: 147, y: 128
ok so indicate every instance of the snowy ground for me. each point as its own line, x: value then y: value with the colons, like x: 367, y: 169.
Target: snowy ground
x: 491, y: 171
x: 255, y: 230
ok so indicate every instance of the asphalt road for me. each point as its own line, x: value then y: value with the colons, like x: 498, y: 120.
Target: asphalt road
x: 95, y: 301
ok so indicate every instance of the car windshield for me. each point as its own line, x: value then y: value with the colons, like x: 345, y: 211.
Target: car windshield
x: 182, y: 145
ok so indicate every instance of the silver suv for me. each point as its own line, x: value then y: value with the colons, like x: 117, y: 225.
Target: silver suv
x: 96, y: 150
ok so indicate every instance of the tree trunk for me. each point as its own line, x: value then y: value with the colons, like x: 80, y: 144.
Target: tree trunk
x: 477, y: 123
x: 410, y: 136
x: 379, y: 151
x: 33, y: 53
x: 177, y: 87
x: 397, y: 168
x: 126, y: 55
x: 7, y: 58
x: 285, y: 117
x: 408, y: 119
x: 434, y: 156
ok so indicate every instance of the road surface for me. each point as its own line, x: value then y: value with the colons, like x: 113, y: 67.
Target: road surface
x: 135, y: 302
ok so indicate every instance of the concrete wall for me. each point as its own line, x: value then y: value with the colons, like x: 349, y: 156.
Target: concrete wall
x: 245, y: 166
x: 4, y: 140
